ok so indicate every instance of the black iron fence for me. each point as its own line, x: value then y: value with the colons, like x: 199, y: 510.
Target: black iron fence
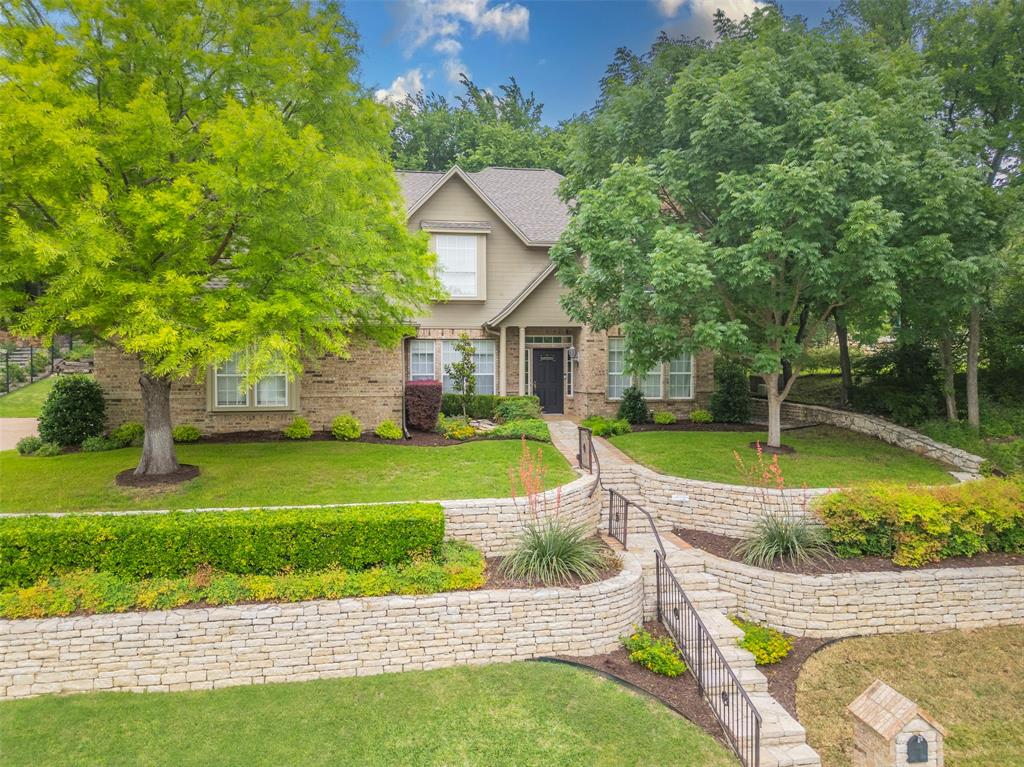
x: 618, y: 516
x: 715, y: 679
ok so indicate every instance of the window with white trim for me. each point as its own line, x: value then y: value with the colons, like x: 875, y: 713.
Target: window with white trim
x: 230, y: 391
x: 650, y: 384
x: 484, y: 357
x: 457, y: 264
x: 618, y: 381
x: 421, y: 360
x: 680, y: 377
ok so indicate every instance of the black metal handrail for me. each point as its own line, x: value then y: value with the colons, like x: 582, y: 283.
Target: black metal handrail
x: 618, y: 516
x: 717, y: 682
x: 585, y: 439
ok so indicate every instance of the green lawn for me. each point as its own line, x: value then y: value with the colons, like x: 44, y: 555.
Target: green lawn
x: 273, y: 474
x: 970, y: 681
x: 825, y: 457
x: 508, y: 714
x: 26, y: 401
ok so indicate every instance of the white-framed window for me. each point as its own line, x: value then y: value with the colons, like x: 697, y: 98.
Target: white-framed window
x: 650, y: 384
x: 230, y: 391
x: 485, y: 358
x: 421, y: 360
x: 457, y: 264
x: 618, y: 381
x: 680, y: 377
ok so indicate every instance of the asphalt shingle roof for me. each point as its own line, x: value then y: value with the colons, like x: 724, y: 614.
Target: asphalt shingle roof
x: 527, y: 197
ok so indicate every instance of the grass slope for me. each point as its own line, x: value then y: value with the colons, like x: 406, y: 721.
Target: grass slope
x: 970, y: 681
x: 825, y: 457
x: 507, y: 714
x: 26, y: 401
x: 273, y: 474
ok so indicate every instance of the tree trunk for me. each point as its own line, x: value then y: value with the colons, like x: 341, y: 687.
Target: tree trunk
x: 973, y: 342
x: 158, y: 456
x: 948, y: 381
x: 845, y: 371
x: 774, y: 409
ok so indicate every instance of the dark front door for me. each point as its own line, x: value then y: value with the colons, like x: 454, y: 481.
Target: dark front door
x: 549, y: 379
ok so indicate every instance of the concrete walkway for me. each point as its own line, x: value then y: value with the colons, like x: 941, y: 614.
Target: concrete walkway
x: 14, y: 429
x: 565, y: 436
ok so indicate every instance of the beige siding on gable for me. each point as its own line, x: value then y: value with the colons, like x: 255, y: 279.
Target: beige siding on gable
x: 511, y: 265
x: 541, y: 307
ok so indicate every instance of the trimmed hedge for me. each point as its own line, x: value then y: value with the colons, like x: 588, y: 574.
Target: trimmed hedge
x: 422, y: 404
x: 916, y: 525
x: 492, y: 406
x: 531, y: 428
x: 454, y: 566
x: 241, y: 542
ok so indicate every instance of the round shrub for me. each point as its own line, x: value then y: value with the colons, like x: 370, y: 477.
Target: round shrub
x: 658, y: 655
x: 299, y: 429
x: 99, y: 444
x: 73, y: 410
x: 186, y: 433
x: 129, y: 433
x: 701, y: 416
x: 28, y: 445
x: 48, y: 450
x: 730, y: 402
x: 664, y: 417
x: 633, y: 407
x: 607, y: 427
x: 388, y: 430
x: 347, y: 427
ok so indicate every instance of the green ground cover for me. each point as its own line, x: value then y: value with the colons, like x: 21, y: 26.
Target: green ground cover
x: 273, y: 474
x: 506, y: 714
x: 824, y: 457
x: 26, y: 401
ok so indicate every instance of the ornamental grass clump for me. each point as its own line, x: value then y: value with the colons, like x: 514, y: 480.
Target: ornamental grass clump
x: 553, y: 552
x: 784, y: 539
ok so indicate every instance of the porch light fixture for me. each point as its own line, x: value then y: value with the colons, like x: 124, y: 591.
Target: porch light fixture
x: 573, y: 354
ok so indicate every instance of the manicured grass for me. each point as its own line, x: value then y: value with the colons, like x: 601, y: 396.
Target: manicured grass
x: 970, y: 681
x: 507, y: 714
x: 26, y: 401
x: 825, y: 457
x: 273, y: 474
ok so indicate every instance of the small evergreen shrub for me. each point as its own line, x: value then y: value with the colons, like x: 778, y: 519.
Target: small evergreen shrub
x: 664, y: 417
x: 633, y: 407
x: 73, y: 410
x: 186, y: 433
x: 782, y: 539
x: 48, y: 450
x: 516, y: 408
x: 730, y: 401
x: 552, y: 552
x: 606, y: 427
x: 531, y: 428
x: 28, y: 445
x: 347, y: 427
x: 456, y: 427
x: 99, y: 444
x: 701, y: 416
x: 257, y: 542
x: 128, y: 434
x: 767, y: 645
x: 422, y: 404
x: 388, y: 430
x: 658, y: 655
x: 298, y: 429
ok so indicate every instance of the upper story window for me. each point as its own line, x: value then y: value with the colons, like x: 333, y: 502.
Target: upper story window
x: 457, y: 264
x: 273, y: 391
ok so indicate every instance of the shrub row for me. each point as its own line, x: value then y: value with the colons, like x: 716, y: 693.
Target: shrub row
x: 492, y: 407
x: 917, y: 525
x: 241, y: 542
x: 607, y: 427
x: 454, y: 566
x: 531, y: 428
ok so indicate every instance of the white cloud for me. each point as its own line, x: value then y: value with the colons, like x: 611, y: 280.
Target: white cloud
x: 448, y: 46
x: 402, y: 87
x: 699, y: 22
x: 454, y: 68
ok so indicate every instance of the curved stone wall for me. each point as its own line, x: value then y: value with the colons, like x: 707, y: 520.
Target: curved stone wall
x: 205, y: 648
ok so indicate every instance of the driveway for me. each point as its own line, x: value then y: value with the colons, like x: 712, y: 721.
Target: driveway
x: 13, y: 429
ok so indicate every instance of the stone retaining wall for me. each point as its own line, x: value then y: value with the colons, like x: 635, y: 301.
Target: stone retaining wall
x: 849, y: 604
x: 200, y: 649
x: 887, y: 431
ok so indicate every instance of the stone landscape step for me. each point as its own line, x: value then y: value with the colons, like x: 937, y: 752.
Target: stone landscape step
x: 800, y: 755
x: 777, y: 726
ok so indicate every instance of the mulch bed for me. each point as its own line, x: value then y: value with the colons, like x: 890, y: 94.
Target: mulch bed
x: 679, y: 693
x: 722, y: 545
x: 782, y: 676
x: 185, y: 472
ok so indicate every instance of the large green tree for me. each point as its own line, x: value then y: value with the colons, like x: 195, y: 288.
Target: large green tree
x: 189, y: 179
x: 772, y: 201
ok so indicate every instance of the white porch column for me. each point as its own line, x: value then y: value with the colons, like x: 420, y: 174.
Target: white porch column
x: 502, y: 362
x: 522, y: 360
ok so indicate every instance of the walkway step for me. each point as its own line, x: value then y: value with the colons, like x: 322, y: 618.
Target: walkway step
x: 790, y: 756
x: 778, y: 728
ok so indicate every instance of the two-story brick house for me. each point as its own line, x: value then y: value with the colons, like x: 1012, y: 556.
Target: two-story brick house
x: 492, y: 232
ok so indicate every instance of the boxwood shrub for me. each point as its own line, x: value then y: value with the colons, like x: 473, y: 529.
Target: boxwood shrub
x: 242, y: 542
x: 73, y: 410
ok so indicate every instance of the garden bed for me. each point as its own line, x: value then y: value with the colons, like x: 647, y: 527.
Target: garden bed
x: 722, y: 546
x: 496, y: 580
x: 686, y: 425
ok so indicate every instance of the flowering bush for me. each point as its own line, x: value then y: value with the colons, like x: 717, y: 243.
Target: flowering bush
x: 658, y: 655
x: 767, y: 645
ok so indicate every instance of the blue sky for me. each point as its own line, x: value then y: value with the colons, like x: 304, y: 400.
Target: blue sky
x: 556, y: 48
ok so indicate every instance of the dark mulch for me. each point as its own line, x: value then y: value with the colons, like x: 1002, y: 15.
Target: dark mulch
x: 691, y: 426
x: 495, y: 580
x: 782, y: 676
x: 722, y: 545
x: 679, y: 693
x: 185, y: 472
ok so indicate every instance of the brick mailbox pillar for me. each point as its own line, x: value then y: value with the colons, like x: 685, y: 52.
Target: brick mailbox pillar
x: 890, y: 730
